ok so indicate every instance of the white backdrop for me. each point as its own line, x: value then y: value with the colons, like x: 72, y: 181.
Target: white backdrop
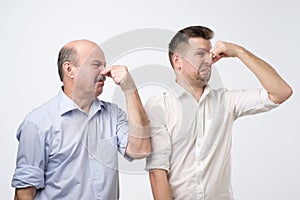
x: 266, y: 158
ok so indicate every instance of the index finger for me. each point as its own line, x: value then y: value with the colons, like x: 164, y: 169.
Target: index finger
x: 106, y: 71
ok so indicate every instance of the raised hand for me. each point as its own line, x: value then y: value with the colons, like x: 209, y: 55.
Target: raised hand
x: 224, y: 49
x: 121, y: 76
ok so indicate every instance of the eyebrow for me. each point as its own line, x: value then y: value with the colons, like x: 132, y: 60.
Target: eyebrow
x: 203, y: 49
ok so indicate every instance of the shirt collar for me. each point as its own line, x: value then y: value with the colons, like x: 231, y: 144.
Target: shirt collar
x: 178, y: 90
x: 96, y: 106
x: 66, y: 104
x: 207, y: 91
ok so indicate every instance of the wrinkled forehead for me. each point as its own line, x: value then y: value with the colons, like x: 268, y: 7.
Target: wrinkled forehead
x: 91, y: 53
x: 193, y: 45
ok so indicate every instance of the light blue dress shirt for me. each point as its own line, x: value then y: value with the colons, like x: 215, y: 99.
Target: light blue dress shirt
x: 67, y: 154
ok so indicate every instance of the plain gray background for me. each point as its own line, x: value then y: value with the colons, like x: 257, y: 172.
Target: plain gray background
x: 265, y: 154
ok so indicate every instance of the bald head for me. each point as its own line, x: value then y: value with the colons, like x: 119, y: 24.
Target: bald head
x: 75, y: 52
x: 81, y: 45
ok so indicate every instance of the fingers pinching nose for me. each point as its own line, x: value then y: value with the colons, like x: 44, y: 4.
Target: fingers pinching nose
x: 212, y: 55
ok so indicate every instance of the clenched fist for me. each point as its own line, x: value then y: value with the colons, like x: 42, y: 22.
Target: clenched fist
x: 120, y: 76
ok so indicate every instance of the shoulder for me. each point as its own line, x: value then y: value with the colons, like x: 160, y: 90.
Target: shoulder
x: 38, y: 120
x: 111, y: 108
x: 43, y: 112
x: 109, y: 105
x: 161, y: 100
x: 218, y: 92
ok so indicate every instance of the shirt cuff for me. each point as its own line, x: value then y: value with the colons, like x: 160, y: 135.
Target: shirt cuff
x: 267, y: 101
x: 155, y: 161
x: 27, y: 175
x: 122, y: 150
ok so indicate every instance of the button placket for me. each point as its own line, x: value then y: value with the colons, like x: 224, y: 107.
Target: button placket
x: 199, y: 142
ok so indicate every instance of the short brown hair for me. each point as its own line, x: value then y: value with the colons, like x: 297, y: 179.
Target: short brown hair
x: 66, y: 54
x: 185, y: 34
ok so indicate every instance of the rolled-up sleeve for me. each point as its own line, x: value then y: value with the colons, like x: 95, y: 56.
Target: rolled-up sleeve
x: 121, y: 131
x: 30, y: 158
x: 160, y: 137
x: 249, y: 102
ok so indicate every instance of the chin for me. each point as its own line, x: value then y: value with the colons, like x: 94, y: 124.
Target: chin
x: 98, y: 92
x: 205, y: 80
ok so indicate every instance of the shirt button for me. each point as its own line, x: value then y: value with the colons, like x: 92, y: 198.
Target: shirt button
x: 92, y: 157
x: 95, y: 177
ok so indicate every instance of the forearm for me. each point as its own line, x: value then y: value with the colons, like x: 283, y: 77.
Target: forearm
x: 160, y: 185
x: 139, y: 145
x: 25, y: 193
x: 277, y: 88
x: 136, y: 112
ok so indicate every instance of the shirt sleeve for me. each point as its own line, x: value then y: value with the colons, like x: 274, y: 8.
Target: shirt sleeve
x: 160, y: 137
x: 249, y: 102
x: 122, y: 132
x: 30, y: 157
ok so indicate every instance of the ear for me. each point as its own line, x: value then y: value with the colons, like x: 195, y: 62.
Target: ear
x: 68, y: 69
x: 177, y: 61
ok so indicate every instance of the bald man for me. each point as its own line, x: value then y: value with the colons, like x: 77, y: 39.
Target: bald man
x: 68, y: 146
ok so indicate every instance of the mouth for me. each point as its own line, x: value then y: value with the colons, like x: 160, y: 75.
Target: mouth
x: 204, y: 70
x: 99, y: 82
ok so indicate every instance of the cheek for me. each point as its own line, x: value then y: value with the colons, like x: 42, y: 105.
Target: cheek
x: 195, y: 61
x: 191, y: 66
x: 86, y: 75
x: 199, y: 61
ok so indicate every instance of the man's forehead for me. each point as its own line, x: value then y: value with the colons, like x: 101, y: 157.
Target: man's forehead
x: 92, y: 55
x: 199, y: 43
x: 92, y: 52
x: 95, y: 51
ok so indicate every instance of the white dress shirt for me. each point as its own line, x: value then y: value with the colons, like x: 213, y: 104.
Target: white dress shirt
x: 192, y: 140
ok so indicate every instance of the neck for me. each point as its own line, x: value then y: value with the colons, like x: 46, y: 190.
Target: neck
x: 82, y: 100
x: 195, y: 91
x: 84, y: 103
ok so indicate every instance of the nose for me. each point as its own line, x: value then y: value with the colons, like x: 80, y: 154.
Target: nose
x: 101, y: 69
x: 212, y: 55
x: 209, y: 58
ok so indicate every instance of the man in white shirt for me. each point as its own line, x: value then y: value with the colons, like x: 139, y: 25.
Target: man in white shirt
x: 191, y: 129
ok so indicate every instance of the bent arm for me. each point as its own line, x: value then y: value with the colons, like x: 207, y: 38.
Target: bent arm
x: 160, y: 185
x: 139, y: 145
x: 27, y: 193
x: 278, y: 89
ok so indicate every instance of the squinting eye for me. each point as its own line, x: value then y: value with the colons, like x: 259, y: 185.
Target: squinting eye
x: 96, y: 64
x: 201, y: 54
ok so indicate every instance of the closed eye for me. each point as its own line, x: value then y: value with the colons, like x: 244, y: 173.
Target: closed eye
x: 98, y: 63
